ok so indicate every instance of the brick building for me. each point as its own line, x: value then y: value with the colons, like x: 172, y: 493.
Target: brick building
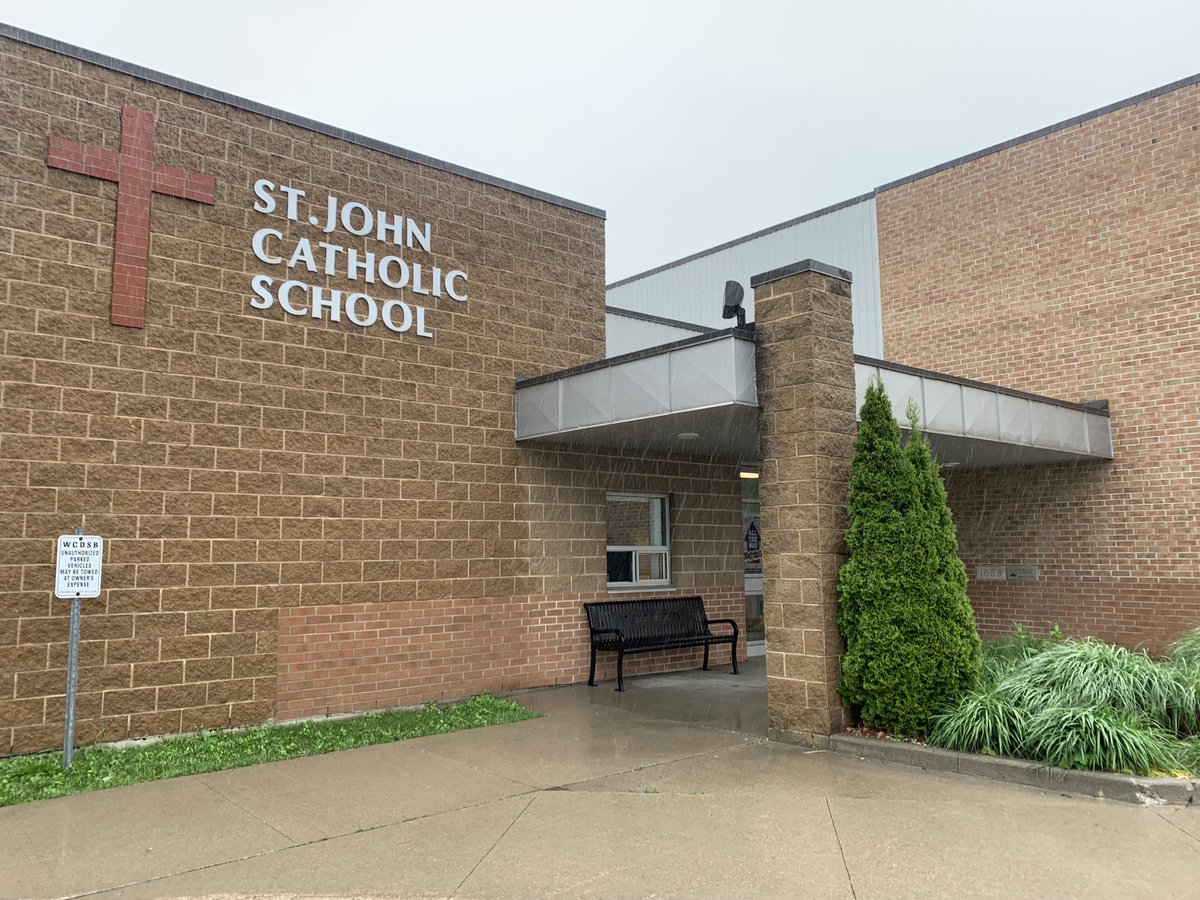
x: 308, y: 507
x: 1069, y: 264
x: 346, y: 417
x: 1065, y: 263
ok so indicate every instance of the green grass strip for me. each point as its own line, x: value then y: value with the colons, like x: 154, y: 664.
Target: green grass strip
x: 41, y: 776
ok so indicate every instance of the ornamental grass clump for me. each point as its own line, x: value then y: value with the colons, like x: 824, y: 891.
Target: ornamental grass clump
x: 1100, y: 739
x: 1187, y: 648
x: 984, y: 721
x: 1002, y: 655
x: 1082, y: 704
x: 1188, y: 755
x: 1092, y: 674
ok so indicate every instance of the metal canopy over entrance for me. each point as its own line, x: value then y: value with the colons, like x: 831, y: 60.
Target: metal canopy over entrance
x: 698, y: 396
x: 980, y: 426
x: 695, y: 396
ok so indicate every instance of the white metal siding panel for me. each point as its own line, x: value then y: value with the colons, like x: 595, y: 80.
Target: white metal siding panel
x: 623, y: 334
x: 693, y: 291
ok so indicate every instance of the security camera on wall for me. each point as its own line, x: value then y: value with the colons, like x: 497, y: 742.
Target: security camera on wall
x: 734, y: 294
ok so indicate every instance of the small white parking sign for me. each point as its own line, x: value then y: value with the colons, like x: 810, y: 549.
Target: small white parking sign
x: 78, y: 567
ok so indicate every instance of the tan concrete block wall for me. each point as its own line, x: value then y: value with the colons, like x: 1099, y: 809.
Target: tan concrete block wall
x: 566, y: 515
x: 1067, y: 266
x: 806, y: 433
x: 237, y: 461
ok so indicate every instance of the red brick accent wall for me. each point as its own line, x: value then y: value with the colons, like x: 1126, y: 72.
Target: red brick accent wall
x: 356, y: 657
x: 1067, y: 266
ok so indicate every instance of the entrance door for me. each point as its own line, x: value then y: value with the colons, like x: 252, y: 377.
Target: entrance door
x: 752, y: 545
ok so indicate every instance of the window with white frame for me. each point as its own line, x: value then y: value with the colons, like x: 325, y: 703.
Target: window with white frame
x: 638, y: 551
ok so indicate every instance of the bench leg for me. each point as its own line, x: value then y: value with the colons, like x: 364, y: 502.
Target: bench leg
x: 706, y: 657
x: 733, y: 656
x: 620, y: 670
x: 592, y: 671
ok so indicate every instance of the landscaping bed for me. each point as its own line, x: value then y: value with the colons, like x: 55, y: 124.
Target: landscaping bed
x: 914, y: 666
x: 1074, y: 715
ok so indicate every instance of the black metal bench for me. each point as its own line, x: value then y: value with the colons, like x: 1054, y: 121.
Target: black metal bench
x: 662, y: 623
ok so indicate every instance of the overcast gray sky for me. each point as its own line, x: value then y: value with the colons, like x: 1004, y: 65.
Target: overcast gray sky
x: 691, y: 123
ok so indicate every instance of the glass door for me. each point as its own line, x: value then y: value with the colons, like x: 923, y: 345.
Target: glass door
x: 752, y: 547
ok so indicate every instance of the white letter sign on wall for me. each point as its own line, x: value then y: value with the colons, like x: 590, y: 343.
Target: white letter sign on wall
x: 275, y: 247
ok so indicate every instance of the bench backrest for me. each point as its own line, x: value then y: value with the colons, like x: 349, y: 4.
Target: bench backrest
x: 661, y: 617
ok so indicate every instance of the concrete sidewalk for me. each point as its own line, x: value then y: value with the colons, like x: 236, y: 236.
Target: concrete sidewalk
x: 603, y: 797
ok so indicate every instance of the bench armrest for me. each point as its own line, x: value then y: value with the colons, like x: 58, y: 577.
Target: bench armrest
x: 616, y: 631
x: 723, y: 622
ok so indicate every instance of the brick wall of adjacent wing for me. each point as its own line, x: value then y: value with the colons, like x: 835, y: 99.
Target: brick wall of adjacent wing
x: 1069, y: 266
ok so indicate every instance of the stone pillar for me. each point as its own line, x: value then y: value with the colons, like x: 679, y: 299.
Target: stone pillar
x: 806, y: 432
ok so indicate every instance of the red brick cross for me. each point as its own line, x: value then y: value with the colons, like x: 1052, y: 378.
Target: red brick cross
x: 137, y: 178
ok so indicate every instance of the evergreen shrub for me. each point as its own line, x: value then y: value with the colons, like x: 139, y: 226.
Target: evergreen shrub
x: 911, y: 644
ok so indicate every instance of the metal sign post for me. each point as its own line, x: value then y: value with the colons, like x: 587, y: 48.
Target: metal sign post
x: 78, y: 566
x: 72, y: 679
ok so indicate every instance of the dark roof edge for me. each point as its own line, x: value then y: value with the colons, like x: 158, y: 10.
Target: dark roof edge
x: 796, y: 268
x: 741, y: 334
x: 207, y: 93
x: 1095, y: 407
x: 657, y: 320
x: 742, y: 240
x: 1042, y: 132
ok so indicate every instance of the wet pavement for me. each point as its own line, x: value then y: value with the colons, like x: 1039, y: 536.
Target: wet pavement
x: 666, y: 790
